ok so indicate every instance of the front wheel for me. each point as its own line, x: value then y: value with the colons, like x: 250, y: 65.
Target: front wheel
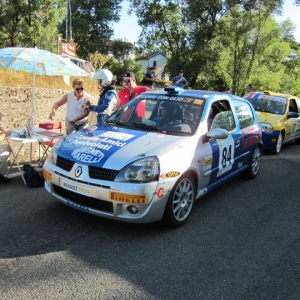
x: 180, y: 202
x: 255, y: 162
x: 278, y: 143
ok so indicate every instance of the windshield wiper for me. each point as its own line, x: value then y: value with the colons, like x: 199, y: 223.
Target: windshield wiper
x: 115, y: 122
x: 264, y: 110
x: 160, y: 129
x: 181, y: 133
x: 143, y: 125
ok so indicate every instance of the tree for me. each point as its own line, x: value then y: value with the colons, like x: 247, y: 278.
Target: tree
x: 120, y: 49
x: 165, y: 29
x: 98, y: 60
x: 186, y: 30
x: 118, y: 68
x: 91, y: 24
x: 30, y: 23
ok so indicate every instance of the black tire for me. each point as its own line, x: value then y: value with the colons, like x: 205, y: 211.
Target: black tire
x: 180, y: 202
x: 278, y: 144
x: 254, y: 164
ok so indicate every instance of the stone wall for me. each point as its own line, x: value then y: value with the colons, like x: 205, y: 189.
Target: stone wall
x: 15, y: 105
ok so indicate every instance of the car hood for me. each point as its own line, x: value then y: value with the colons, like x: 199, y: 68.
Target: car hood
x: 268, y: 118
x: 114, y: 147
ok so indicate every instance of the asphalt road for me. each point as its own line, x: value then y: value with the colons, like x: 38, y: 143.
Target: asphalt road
x: 241, y: 242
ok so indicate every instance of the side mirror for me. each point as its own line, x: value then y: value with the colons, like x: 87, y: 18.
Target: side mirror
x: 217, y: 133
x: 293, y: 115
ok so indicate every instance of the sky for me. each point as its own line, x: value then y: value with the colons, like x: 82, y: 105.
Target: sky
x: 127, y: 29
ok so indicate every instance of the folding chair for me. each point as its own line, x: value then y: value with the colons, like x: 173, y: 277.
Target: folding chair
x: 47, y: 145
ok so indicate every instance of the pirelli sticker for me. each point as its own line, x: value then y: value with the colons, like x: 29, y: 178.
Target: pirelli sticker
x: 128, y: 198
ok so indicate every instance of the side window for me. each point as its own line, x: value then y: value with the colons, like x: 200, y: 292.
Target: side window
x: 293, y: 106
x: 221, y: 116
x: 213, y: 111
x: 244, y: 113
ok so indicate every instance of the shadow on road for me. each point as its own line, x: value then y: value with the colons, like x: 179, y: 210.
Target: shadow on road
x: 239, y: 238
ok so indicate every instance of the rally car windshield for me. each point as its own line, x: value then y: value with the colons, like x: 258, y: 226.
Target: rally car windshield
x: 270, y: 104
x: 160, y: 113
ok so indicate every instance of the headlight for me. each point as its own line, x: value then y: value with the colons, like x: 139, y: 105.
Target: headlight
x: 54, y: 152
x: 142, y: 170
x: 265, y: 127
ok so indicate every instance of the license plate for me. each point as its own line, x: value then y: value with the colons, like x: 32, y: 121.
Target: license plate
x: 77, y: 188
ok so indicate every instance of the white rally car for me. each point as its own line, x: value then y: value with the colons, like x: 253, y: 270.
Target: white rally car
x: 155, y: 155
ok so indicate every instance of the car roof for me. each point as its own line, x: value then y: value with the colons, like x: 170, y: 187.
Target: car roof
x: 202, y: 94
x: 269, y: 93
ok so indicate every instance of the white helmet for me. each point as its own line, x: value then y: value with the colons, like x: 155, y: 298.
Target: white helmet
x: 105, y: 75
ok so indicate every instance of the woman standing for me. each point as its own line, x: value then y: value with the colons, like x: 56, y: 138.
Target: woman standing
x: 3, y: 134
x: 108, y: 99
x: 77, y: 100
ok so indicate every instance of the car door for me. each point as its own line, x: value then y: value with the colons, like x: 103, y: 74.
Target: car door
x: 292, y: 125
x: 225, y: 152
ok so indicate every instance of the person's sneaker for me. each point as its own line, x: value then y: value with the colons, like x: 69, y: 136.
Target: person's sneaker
x: 4, y: 179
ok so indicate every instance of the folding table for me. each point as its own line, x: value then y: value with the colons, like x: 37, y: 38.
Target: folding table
x: 36, y: 137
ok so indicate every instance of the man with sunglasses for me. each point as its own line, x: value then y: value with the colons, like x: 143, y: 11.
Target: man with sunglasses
x: 131, y: 89
x: 77, y: 113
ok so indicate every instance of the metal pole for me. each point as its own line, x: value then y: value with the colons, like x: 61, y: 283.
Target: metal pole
x: 69, y: 22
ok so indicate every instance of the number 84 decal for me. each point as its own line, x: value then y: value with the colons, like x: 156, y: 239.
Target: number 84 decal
x: 226, y: 155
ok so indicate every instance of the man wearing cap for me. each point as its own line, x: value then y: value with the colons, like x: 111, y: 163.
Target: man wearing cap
x: 131, y: 89
x: 180, y: 80
x: 149, y: 78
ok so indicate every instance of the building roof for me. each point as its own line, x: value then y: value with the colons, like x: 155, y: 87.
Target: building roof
x: 147, y: 56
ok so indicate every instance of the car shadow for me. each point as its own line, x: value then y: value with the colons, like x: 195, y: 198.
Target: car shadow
x: 222, y: 227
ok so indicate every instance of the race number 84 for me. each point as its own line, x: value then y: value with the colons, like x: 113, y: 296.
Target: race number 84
x: 226, y: 153
x: 226, y: 156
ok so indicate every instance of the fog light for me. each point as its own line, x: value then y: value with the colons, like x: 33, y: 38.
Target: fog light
x: 132, y: 209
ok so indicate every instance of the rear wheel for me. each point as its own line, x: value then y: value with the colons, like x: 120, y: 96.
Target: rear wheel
x: 180, y: 202
x: 278, y: 143
x: 255, y: 162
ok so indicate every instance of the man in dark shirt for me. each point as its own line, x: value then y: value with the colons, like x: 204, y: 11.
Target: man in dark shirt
x: 149, y: 78
x: 179, y: 80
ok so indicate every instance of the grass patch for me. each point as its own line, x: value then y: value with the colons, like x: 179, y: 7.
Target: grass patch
x: 9, y: 77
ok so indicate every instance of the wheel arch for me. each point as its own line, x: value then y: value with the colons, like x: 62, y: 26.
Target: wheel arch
x: 194, y: 175
x: 282, y: 130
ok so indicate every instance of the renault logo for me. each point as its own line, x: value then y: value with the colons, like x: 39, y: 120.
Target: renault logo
x: 78, y: 171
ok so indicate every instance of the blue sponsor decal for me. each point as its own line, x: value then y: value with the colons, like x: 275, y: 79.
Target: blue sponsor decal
x: 94, y: 145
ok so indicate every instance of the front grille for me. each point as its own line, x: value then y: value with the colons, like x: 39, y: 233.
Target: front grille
x: 94, y: 172
x: 64, y: 163
x: 102, y: 173
x: 98, y: 204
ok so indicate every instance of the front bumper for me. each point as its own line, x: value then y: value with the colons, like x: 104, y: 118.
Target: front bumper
x: 129, y: 202
x: 270, y: 139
